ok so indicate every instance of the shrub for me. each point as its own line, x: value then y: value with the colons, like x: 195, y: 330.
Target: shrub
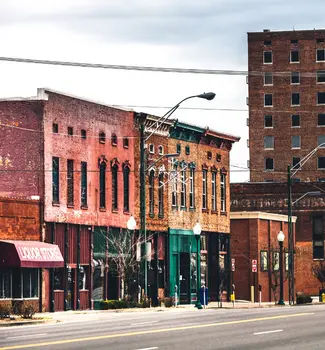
x: 17, y: 307
x: 116, y: 304
x: 5, y: 311
x: 28, y: 311
x: 145, y: 302
x: 168, y: 301
x: 303, y: 298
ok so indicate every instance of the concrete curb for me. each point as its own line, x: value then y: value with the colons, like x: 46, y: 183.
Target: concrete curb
x: 25, y: 323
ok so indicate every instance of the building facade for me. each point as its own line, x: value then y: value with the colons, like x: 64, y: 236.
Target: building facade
x: 286, y: 103
x: 254, y: 237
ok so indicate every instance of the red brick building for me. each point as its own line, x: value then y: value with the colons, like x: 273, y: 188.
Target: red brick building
x: 254, y: 237
x: 309, y: 227
x: 77, y: 156
x: 286, y: 98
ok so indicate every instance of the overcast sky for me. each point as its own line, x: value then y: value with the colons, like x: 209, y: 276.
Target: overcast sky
x: 184, y: 34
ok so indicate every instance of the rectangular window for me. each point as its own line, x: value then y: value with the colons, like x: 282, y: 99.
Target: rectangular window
x: 263, y: 260
x: 83, y: 134
x: 55, y: 128
x: 126, y: 189
x: 295, y: 78
x: 161, y: 195
x: 294, y: 41
x: 275, y: 261
x: 268, y: 121
x: 268, y: 100
x: 187, y: 150
x: 320, y: 76
x: 178, y: 148
x: 320, y: 55
x: 268, y: 78
x: 321, y: 140
x: 267, y: 42
x: 5, y: 284
x: 321, y: 120
x: 183, y: 188
x: 318, y: 237
x: 204, y: 189
x: 174, y: 186
x: 294, y: 56
x: 295, y: 121
x: 268, y: 142
x: 214, y: 191
x: 269, y: 164
x: 55, y: 180
x: 70, y: 184
x: 295, y: 99
x: 267, y: 57
x: 223, y: 192
x: 295, y: 161
x: 30, y: 283
x: 70, y: 130
x: 102, y: 185
x: 192, y: 203
x: 83, y: 187
x: 321, y: 163
x: 320, y: 98
x: 295, y: 141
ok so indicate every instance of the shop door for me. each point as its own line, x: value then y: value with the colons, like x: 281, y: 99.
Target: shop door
x: 184, y: 278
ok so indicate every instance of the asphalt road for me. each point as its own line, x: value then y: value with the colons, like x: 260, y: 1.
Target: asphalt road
x: 300, y: 327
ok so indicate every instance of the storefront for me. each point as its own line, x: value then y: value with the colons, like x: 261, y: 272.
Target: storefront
x: 20, y: 269
x: 183, y: 261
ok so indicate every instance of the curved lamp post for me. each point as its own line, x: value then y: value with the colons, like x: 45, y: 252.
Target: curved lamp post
x: 280, y: 238
x: 206, y: 96
x: 197, y: 229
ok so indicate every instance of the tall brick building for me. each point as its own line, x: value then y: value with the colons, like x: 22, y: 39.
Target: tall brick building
x: 286, y: 76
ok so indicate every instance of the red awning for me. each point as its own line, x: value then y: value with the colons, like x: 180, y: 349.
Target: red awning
x: 30, y: 254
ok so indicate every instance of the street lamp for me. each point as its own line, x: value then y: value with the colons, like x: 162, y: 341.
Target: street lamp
x: 197, y: 229
x: 131, y: 223
x: 207, y: 96
x: 280, y: 238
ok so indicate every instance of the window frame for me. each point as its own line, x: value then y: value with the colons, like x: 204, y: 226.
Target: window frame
x: 291, y: 56
x: 83, y: 185
x: 151, y: 183
x: 223, y: 193
x: 204, y: 189
x: 265, y: 164
x: 318, y: 161
x: 161, y: 195
x: 295, y: 75
x: 265, y: 121
x: 114, y: 187
x: 70, y: 182
x: 320, y: 94
x: 183, y: 189
x: 192, y: 188
x: 323, y: 50
x: 264, y: 57
x: 126, y: 189
x: 56, y: 180
x: 293, y: 96
x: 271, y: 139
x: 319, y: 240
x: 214, y: 191
x: 102, y: 185
x: 268, y: 76
x: 295, y: 137
x: 292, y: 120
x: 318, y: 119
x: 320, y: 75
x: 264, y: 260
x: 265, y: 100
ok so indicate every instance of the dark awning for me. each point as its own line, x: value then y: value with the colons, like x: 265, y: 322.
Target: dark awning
x: 30, y: 254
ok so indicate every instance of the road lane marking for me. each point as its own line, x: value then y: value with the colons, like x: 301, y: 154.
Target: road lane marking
x: 152, y: 348
x: 142, y: 323
x: 153, y: 331
x: 27, y: 336
x: 267, y: 332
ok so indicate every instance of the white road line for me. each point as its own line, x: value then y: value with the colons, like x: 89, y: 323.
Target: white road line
x: 27, y: 336
x: 266, y: 332
x: 142, y: 323
x: 152, y: 348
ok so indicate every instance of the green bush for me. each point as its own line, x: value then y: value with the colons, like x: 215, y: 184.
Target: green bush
x: 145, y: 302
x: 115, y: 304
x: 303, y: 298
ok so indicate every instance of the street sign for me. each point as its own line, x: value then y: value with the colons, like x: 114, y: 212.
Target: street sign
x: 254, y: 265
x: 233, y: 264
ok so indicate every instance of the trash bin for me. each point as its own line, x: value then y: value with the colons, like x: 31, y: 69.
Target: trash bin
x: 321, y: 291
x: 204, y: 294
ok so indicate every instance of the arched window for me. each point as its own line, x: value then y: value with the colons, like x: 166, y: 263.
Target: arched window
x: 114, y: 140
x: 102, y: 137
x: 161, y: 195
x: 160, y: 150
x: 102, y: 185
x: 114, y: 187
x: 126, y: 184
x: 151, y: 192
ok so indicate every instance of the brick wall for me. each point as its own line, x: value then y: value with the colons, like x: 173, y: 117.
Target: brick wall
x: 19, y: 219
x: 282, y: 110
x: 21, y: 155
x: 94, y: 118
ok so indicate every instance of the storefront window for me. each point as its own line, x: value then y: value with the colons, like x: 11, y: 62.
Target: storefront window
x: 25, y: 283
x: 83, y: 278
x: 98, y: 279
x: 58, y: 279
x: 5, y: 284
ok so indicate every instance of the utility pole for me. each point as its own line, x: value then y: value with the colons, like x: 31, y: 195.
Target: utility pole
x: 291, y: 242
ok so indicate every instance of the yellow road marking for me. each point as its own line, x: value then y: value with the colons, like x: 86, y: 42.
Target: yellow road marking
x: 152, y: 331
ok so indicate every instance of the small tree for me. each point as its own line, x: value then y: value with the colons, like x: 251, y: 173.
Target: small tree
x: 275, y: 272
x: 319, y: 272
x: 123, y: 248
